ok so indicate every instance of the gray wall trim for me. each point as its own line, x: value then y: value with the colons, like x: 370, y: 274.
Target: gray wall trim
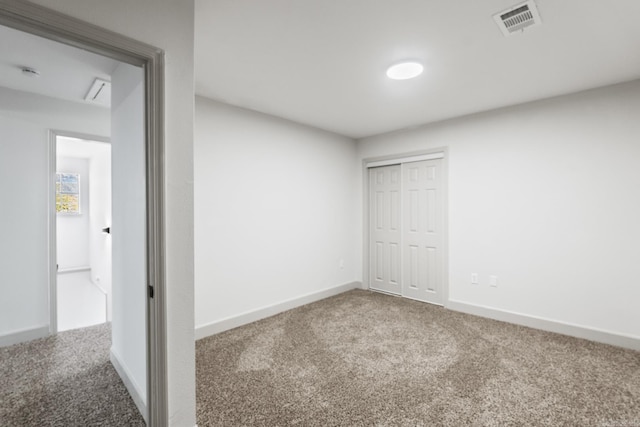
x: 157, y: 384
x: 130, y: 384
x: 79, y: 135
x: 74, y: 270
x: 24, y: 335
x: 264, y: 312
x: 605, y: 337
x: 53, y: 25
x: 52, y: 236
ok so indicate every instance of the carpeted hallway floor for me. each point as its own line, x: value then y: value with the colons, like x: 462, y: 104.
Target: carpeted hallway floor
x: 64, y: 380
x: 366, y: 359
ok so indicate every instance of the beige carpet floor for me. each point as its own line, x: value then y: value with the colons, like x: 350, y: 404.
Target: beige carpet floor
x: 367, y: 359
x: 64, y: 380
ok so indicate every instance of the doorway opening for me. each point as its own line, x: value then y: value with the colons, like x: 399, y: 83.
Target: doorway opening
x: 139, y: 190
x: 82, y: 284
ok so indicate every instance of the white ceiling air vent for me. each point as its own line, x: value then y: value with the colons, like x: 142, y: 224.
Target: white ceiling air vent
x: 100, y: 93
x: 517, y: 18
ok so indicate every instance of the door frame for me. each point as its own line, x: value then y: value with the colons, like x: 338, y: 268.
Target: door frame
x: 52, y: 227
x: 53, y: 25
x: 394, y: 159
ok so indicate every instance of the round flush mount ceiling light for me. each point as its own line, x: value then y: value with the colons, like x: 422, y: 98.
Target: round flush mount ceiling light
x: 405, y: 70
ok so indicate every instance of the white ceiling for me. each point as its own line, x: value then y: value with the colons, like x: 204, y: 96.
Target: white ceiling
x: 65, y: 72
x: 323, y: 62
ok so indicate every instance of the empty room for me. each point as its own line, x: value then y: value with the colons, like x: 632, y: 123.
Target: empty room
x: 499, y: 183
x: 348, y: 213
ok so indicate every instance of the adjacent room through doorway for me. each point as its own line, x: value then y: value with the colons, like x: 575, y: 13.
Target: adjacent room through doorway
x: 59, y: 108
x: 83, y: 241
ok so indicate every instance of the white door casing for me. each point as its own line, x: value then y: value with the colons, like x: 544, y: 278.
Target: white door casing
x: 384, y: 220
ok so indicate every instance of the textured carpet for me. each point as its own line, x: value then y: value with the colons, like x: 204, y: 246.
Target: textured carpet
x: 64, y: 380
x: 367, y: 359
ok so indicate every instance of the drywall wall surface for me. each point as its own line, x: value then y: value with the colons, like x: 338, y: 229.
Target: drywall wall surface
x: 128, y: 232
x: 72, y: 230
x: 25, y: 123
x: 24, y: 260
x: 544, y: 196
x: 167, y: 25
x: 274, y: 204
x: 53, y: 113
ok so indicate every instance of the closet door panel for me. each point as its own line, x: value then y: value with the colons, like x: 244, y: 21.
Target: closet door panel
x: 423, y: 231
x: 385, y: 250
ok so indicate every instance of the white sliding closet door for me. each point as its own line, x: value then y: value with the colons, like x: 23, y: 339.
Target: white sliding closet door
x: 384, y: 219
x: 406, y: 230
x: 423, y: 231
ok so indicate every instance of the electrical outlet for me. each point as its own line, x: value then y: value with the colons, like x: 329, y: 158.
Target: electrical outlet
x: 341, y: 264
x: 493, y: 281
x: 474, y: 278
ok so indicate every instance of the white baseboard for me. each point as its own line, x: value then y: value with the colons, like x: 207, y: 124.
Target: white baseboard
x: 139, y: 398
x: 264, y: 312
x: 73, y: 269
x: 598, y: 335
x: 23, y: 335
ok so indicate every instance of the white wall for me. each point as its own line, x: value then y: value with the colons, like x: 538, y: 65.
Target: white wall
x: 24, y: 301
x: 168, y: 25
x: 274, y: 211
x: 128, y: 232
x: 545, y: 196
x: 51, y: 113
x: 73, y: 230
x: 24, y: 259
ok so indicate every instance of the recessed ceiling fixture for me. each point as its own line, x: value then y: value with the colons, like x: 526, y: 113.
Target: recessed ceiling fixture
x: 405, y: 70
x: 31, y: 72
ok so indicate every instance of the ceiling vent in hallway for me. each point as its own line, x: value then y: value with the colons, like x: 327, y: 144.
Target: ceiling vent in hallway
x: 99, y: 93
x: 517, y: 18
